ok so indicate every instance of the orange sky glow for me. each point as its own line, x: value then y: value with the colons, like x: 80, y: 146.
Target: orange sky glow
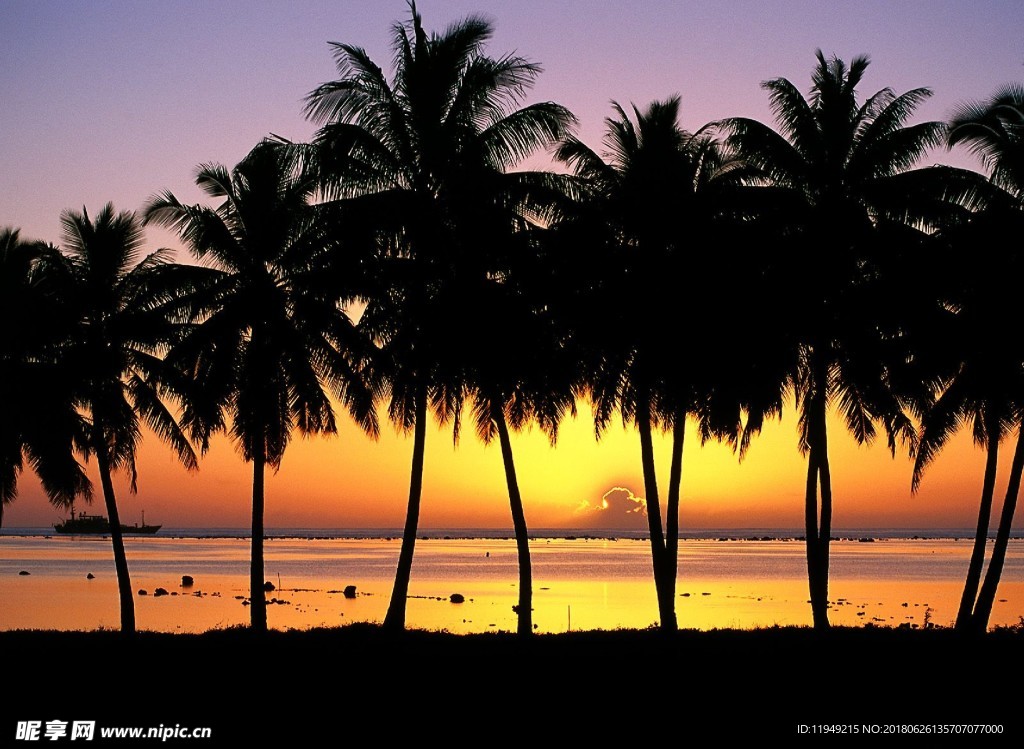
x: 351, y: 481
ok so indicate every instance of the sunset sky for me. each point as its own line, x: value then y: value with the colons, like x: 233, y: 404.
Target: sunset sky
x: 114, y: 101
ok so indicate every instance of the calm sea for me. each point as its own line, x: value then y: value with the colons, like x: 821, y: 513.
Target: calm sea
x: 582, y: 579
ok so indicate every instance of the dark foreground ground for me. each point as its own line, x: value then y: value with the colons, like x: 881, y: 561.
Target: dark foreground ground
x: 359, y: 685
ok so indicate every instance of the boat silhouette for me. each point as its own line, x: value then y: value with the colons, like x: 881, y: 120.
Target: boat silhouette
x: 98, y: 524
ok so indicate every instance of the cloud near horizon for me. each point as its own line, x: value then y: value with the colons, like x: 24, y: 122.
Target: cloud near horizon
x: 618, y: 509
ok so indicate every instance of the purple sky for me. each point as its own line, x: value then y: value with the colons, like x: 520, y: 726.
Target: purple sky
x: 113, y: 101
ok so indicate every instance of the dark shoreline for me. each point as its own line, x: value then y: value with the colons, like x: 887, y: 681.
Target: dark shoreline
x: 302, y: 688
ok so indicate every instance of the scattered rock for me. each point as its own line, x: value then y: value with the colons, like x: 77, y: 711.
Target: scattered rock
x: 457, y: 598
x: 350, y: 591
x: 159, y: 592
x: 24, y: 572
x: 187, y: 581
x: 268, y: 586
x: 143, y: 592
x: 90, y: 576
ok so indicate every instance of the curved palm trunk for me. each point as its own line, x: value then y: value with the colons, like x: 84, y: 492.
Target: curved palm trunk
x: 818, y: 528
x: 124, y: 582
x: 970, y: 594
x: 675, y: 481
x: 515, y: 500
x: 987, y: 597
x: 395, y: 617
x: 257, y: 594
x: 666, y: 604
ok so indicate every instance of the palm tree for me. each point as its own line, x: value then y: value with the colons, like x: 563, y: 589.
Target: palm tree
x: 123, y: 321
x: 424, y: 157
x: 518, y: 372
x: 994, y: 130
x: 983, y: 384
x: 855, y: 205
x: 272, y: 342
x: 40, y: 423
x: 662, y: 192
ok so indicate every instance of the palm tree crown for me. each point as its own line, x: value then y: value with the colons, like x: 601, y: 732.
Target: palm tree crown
x: 41, y: 423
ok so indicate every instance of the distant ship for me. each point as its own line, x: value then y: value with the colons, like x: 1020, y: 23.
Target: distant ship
x: 97, y: 524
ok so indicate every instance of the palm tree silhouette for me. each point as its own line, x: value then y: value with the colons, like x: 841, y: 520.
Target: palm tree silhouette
x: 41, y: 424
x: 976, y: 372
x: 426, y: 158
x: 659, y: 201
x: 518, y: 371
x: 272, y: 342
x: 994, y: 130
x: 854, y: 201
x: 122, y: 306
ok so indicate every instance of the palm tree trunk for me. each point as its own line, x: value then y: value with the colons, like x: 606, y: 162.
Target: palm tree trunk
x: 675, y: 481
x: 818, y: 529
x: 395, y: 618
x: 666, y: 607
x: 987, y: 597
x: 525, y: 607
x: 970, y: 594
x: 257, y: 579
x: 124, y: 582
x: 825, y: 526
x: 811, y: 531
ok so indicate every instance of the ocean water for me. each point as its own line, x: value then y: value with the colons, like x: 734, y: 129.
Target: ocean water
x: 741, y: 579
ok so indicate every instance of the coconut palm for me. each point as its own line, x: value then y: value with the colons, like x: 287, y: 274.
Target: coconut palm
x: 855, y: 205
x: 121, y: 305
x: 994, y: 130
x: 518, y: 372
x: 982, y: 379
x: 272, y: 342
x: 657, y: 203
x: 40, y: 423
x: 425, y: 157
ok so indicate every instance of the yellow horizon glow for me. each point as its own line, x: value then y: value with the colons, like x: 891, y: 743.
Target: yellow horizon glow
x: 350, y: 481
